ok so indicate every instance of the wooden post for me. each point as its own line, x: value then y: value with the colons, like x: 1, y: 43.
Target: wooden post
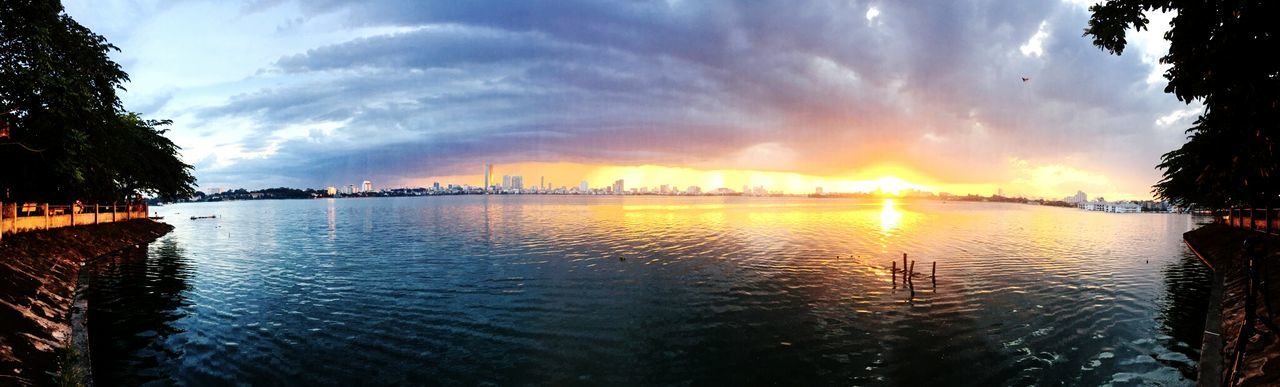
x: 894, y: 271
x: 933, y: 274
x: 96, y: 209
x: 2, y: 220
x: 73, y: 214
x: 113, y: 210
x: 45, y: 208
x: 904, y: 265
x: 911, y: 273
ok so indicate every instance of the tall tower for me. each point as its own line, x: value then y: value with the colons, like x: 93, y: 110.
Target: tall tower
x: 488, y: 173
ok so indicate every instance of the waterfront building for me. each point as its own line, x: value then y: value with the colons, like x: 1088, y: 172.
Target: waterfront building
x: 506, y: 182
x: 367, y: 186
x: 488, y: 173
x: 818, y: 190
x: 351, y: 189
x: 582, y: 187
x: 618, y: 187
x: 331, y: 191
x: 1079, y: 197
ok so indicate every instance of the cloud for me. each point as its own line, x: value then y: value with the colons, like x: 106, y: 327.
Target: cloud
x: 343, y: 90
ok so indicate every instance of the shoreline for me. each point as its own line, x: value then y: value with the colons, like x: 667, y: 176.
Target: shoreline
x: 39, y: 283
x: 1219, y: 247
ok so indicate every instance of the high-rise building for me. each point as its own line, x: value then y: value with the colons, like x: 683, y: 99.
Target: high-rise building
x: 351, y: 189
x: 488, y: 173
x: 542, y: 183
x: 436, y: 186
x: 517, y: 182
x: 664, y: 189
x: 618, y: 187
x: 331, y: 191
x: 582, y: 187
x: 367, y: 186
x: 506, y: 182
x: 818, y: 190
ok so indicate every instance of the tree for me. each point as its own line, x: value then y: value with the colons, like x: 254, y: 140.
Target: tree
x: 1218, y: 55
x: 69, y: 137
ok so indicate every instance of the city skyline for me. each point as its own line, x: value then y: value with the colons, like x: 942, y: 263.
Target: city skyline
x: 514, y: 184
x: 793, y: 95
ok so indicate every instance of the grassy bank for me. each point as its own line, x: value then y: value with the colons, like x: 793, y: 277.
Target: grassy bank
x: 38, y: 273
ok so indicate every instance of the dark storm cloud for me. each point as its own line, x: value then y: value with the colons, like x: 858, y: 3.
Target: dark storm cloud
x: 693, y: 82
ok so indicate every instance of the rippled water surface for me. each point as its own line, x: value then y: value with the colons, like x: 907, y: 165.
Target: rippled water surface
x: 648, y: 290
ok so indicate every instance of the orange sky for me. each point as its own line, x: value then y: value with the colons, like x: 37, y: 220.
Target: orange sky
x: 1048, y: 181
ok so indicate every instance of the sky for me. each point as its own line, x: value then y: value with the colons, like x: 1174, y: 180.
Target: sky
x: 789, y: 95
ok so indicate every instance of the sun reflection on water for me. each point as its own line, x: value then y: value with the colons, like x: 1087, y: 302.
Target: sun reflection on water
x: 890, y: 217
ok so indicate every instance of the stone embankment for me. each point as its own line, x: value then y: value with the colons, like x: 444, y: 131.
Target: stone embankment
x: 1222, y: 248
x: 38, y: 274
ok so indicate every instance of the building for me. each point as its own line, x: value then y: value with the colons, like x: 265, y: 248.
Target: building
x: 215, y: 190
x: 817, y: 190
x: 582, y: 187
x: 367, y: 186
x: 1078, y: 198
x: 517, y: 182
x: 351, y: 189
x: 618, y: 187
x: 331, y: 191
x: 488, y: 173
x: 506, y: 182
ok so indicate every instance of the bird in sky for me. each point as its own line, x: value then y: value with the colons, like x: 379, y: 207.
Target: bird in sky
x: 1024, y: 79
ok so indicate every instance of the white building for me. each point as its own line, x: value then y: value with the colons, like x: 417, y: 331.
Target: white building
x: 582, y: 187
x: 367, y: 186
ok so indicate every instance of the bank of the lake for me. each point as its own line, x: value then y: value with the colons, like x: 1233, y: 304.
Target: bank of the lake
x: 38, y: 279
x: 1220, y: 247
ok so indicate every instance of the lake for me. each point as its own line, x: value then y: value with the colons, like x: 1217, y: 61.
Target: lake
x: 577, y: 290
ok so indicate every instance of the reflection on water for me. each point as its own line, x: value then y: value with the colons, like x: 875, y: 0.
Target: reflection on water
x: 639, y: 290
x: 135, y: 297
x: 890, y: 217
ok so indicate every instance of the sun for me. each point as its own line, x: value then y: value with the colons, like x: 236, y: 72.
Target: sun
x: 890, y: 185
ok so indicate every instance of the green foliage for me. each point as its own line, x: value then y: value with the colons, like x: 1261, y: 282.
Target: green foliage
x: 1219, y: 55
x: 69, y: 135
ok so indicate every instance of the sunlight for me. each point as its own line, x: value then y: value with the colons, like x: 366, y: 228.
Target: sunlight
x: 890, y: 185
x: 890, y: 217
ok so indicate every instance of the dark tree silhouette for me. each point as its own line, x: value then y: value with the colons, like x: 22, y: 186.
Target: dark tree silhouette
x: 1219, y: 52
x: 68, y: 136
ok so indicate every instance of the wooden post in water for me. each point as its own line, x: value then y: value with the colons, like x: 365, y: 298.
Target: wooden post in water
x: 933, y: 275
x: 894, y: 271
x: 45, y: 209
x: 911, y: 273
x: 904, y: 265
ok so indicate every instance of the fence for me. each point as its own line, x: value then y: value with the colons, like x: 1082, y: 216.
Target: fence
x: 1265, y: 220
x: 22, y: 217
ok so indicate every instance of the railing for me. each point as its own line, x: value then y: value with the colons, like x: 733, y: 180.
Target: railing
x: 1265, y: 220
x: 23, y: 217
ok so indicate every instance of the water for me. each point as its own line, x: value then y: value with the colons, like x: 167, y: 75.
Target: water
x: 648, y: 291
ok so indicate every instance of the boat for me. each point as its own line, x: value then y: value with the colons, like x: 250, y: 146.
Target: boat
x: 204, y: 217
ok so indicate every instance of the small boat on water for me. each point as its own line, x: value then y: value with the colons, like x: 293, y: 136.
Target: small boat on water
x: 204, y: 217
x: 155, y: 217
